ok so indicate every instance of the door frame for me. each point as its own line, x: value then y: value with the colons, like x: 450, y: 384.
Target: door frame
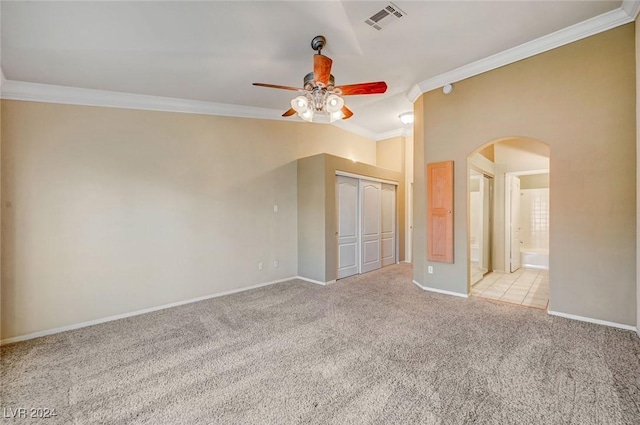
x: 361, y: 177
x: 507, y: 209
x: 487, y: 169
x: 489, y: 174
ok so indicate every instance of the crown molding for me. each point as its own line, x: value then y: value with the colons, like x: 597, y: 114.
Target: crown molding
x: 414, y: 93
x: 576, y: 32
x: 632, y: 7
x: 36, y: 92
x: 355, y: 129
x: 399, y: 132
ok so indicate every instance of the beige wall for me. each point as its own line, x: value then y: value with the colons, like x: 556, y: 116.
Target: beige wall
x: 488, y: 152
x: 580, y: 99
x: 312, y: 198
x: 317, y: 210
x: 510, y: 155
x: 390, y: 154
x: 408, y: 179
x: 396, y: 154
x: 2, y: 207
x: 534, y: 181
x: 637, y: 44
x: 116, y: 210
x: 419, y: 252
x: 520, y: 154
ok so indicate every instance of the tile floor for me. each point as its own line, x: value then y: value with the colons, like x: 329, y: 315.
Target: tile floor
x: 527, y: 287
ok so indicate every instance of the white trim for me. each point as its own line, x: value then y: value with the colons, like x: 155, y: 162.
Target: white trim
x: 135, y: 313
x: 590, y: 320
x: 356, y: 129
x: 533, y: 266
x: 35, y: 92
x: 415, y: 91
x: 527, y: 173
x: 632, y: 7
x: 372, y: 179
x: 440, y: 291
x: 317, y: 282
x: 398, y: 132
x: 576, y: 32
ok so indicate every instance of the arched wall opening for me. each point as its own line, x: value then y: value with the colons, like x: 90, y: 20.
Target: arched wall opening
x: 588, y: 120
x: 508, y: 221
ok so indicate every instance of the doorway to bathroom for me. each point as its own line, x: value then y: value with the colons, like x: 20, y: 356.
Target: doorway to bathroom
x: 508, y: 222
x: 480, y: 222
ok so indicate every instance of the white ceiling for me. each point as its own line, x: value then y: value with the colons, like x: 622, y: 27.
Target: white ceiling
x: 213, y: 51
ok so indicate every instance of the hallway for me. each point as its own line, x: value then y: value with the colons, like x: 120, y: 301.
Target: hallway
x: 527, y: 287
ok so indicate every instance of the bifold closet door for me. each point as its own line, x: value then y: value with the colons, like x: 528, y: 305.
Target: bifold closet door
x: 348, y: 225
x: 388, y: 224
x: 370, y: 212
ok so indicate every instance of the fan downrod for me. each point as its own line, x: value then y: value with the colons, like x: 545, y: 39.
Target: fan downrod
x: 318, y: 43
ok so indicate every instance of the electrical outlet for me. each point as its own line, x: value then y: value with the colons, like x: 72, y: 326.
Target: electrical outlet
x: 276, y: 263
x: 275, y: 208
x: 430, y: 270
x: 260, y: 265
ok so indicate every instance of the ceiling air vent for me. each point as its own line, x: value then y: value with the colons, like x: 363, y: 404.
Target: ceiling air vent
x: 383, y: 18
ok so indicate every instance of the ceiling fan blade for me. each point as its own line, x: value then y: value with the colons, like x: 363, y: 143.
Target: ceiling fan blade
x: 321, y: 69
x: 290, y: 112
x: 347, y: 113
x: 275, y: 86
x: 363, y: 88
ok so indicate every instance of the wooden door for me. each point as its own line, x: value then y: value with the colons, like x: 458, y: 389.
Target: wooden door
x: 440, y: 211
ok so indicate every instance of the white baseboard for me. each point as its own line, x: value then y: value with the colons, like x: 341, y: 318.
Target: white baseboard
x: 596, y: 321
x: 534, y: 267
x: 135, y: 313
x: 317, y: 282
x: 441, y: 291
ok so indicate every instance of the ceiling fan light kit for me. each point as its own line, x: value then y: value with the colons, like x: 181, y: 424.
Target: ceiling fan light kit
x: 319, y: 94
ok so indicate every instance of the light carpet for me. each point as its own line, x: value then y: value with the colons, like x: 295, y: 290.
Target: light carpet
x: 370, y: 349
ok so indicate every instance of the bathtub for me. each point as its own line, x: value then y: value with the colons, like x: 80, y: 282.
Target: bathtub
x: 534, y: 258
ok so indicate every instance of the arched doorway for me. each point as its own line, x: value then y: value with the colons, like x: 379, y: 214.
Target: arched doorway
x: 508, y: 221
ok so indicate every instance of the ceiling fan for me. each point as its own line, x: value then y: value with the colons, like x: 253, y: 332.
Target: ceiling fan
x: 320, y: 94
